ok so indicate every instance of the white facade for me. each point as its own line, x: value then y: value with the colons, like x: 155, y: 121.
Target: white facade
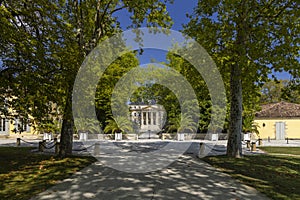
x: 148, y: 117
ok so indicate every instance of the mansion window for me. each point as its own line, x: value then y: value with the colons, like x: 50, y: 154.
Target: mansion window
x: 21, y: 125
x: 3, y: 124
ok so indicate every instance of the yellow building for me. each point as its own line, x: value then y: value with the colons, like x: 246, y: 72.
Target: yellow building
x: 19, y: 127
x: 14, y: 127
x: 279, y: 121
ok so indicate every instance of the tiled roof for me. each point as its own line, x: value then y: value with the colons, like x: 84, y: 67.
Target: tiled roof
x: 280, y: 109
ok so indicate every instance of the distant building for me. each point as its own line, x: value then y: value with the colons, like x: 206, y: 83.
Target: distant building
x: 147, y: 117
x: 279, y: 121
x: 13, y: 126
x: 10, y: 127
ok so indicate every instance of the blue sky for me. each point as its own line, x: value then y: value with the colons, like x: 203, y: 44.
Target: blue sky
x: 178, y: 11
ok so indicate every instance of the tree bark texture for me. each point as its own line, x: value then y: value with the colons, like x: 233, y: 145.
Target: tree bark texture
x: 234, y: 145
x: 66, y: 140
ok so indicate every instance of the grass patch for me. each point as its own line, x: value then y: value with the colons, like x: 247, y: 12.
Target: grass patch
x: 24, y: 174
x: 282, y: 150
x: 276, y: 176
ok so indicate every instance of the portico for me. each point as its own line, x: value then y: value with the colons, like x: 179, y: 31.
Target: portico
x: 147, y: 117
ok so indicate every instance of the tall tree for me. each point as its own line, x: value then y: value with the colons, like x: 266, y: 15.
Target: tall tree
x: 44, y: 44
x: 271, y: 91
x: 199, y: 86
x: 247, y: 39
x: 31, y: 58
x: 94, y: 21
x: 108, y: 81
x: 291, y: 92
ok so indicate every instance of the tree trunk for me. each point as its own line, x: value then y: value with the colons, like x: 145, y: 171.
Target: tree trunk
x: 66, y: 139
x: 234, y: 145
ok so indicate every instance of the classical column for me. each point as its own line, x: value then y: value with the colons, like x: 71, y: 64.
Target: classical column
x: 142, y: 119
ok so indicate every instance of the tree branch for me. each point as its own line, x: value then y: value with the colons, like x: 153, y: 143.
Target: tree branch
x: 117, y: 9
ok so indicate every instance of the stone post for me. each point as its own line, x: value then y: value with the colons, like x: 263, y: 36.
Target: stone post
x: 201, y: 149
x: 248, y: 144
x: 259, y: 142
x: 253, y: 146
x: 18, y: 142
x: 96, y: 149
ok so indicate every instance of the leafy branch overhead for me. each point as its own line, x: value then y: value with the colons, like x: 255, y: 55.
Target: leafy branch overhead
x: 247, y: 40
x: 44, y: 43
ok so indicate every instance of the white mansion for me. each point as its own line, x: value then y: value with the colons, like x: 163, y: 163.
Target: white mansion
x: 148, y: 118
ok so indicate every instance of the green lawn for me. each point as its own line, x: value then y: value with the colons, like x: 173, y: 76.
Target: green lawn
x: 24, y: 174
x: 276, y: 176
x: 282, y: 150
